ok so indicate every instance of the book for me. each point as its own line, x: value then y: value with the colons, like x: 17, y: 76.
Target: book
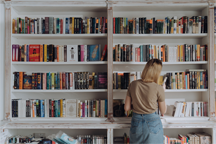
x: 72, y: 53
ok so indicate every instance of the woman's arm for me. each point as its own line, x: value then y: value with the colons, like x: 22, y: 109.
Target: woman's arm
x: 162, y: 107
x: 127, y: 106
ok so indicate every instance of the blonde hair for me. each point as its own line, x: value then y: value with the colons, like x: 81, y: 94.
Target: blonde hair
x: 152, y: 70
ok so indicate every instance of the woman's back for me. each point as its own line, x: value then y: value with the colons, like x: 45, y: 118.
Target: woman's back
x: 144, y: 96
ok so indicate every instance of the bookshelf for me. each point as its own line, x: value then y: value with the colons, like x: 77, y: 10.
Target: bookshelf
x: 111, y: 126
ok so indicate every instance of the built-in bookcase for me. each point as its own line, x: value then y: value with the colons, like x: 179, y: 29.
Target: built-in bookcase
x: 116, y: 126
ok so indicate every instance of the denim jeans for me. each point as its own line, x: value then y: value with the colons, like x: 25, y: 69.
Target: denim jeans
x: 146, y: 129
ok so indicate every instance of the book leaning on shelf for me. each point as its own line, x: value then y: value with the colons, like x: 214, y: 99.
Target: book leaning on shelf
x: 60, y: 80
x: 58, y: 53
x: 191, y: 138
x: 143, y: 53
x: 190, y: 109
x: 190, y: 79
x: 59, y: 108
x: 51, y: 25
x: 142, y: 25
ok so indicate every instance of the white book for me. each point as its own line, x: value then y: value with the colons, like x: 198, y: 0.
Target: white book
x: 181, y: 112
x: 175, y: 25
x: 195, y: 109
x: 165, y: 28
x: 81, y: 103
x: 23, y: 108
x: 199, y: 24
x: 19, y: 108
x: 177, y: 105
x: 170, y: 54
x: 175, y: 54
x: 199, y: 109
x: 71, y: 108
x: 72, y: 53
x: 46, y: 101
x: 187, y: 113
x: 132, y: 76
x: 138, y: 75
x: 40, y: 26
x: 85, y: 53
x: 159, y: 52
x: 35, y: 26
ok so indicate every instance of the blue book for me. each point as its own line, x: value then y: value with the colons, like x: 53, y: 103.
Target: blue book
x: 150, y: 50
x: 195, y: 53
x: 94, y: 53
x: 66, y: 26
x: 17, y: 80
x: 105, y: 108
x: 58, y: 80
x: 50, y: 83
x: 201, y: 81
x: 80, y: 26
x: 56, y: 108
x: 42, y: 108
x: 186, y: 82
x: 27, y: 53
x: 215, y: 20
x: 141, y: 53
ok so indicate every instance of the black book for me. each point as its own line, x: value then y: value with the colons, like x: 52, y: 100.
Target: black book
x: 102, y: 80
x: 140, y: 25
x: 153, y: 25
x: 75, y: 25
x: 122, y: 82
x: 79, y: 53
x: 76, y: 80
x: 38, y: 80
x: 147, y: 53
x: 22, y: 53
x: 55, y: 54
x: 205, y: 24
x: 96, y: 81
x: 127, y: 54
x: 124, y: 53
x: 16, y: 108
x: 15, y: 80
x: 144, y: 24
x: 50, y: 53
x: 144, y: 53
x: 65, y: 53
x: 35, y: 81
x: 70, y: 23
x: 79, y: 26
x: 156, y: 28
x: 13, y: 108
x: 131, y: 52
x: 50, y: 108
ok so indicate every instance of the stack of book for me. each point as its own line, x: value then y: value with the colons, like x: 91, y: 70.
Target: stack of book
x: 58, y: 53
x: 192, y: 138
x: 60, y: 80
x: 142, y: 25
x: 190, y: 109
x: 59, y: 108
x: 51, y: 25
x: 121, y: 140
x: 165, y: 53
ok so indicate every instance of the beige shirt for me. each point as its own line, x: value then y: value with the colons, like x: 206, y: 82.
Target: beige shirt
x: 144, y: 96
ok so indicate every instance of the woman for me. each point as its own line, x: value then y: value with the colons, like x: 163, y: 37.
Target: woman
x: 145, y: 95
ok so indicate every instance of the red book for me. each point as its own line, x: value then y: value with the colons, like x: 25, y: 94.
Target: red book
x: 138, y: 54
x: 34, y: 53
x: 113, y: 25
x: 182, y: 21
x: 104, y: 53
x: 63, y: 81
x: 52, y: 108
x: 61, y: 26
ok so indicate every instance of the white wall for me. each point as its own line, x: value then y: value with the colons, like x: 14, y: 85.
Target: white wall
x: 2, y: 27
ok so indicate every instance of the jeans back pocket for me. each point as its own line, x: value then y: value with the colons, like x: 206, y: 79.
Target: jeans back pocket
x: 154, y: 125
x: 135, y: 126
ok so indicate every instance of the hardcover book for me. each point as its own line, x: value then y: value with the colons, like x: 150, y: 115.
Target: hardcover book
x: 72, y: 53
x: 94, y: 52
x: 34, y: 53
x: 27, y: 82
x: 71, y: 108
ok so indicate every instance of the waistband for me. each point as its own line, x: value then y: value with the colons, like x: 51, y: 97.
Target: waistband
x: 144, y: 114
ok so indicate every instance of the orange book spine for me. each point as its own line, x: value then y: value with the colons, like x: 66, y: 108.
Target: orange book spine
x: 60, y: 74
x: 57, y: 53
x: 198, y: 52
x: 20, y: 80
x: 25, y: 54
x: 33, y: 112
x: 41, y: 53
x: 44, y: 80
x: 178, y: 50
x: 162, y: 53
x: 71, y: 80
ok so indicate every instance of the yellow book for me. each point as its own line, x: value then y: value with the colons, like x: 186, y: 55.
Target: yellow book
x: 176, y: 81
x: 53, y: 80
x: 45, y: 52
x: 181, y: 53
x: 88, y: 27
x: 160, y: 80
x: 61, y: 108
x: 13, y: 26
x: 198, y: 52
x: 72, y: 26
x: 177, y: 28
x: 155, y: 54
x: 178, y: 52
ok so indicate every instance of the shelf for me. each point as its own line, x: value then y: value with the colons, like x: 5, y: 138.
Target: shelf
x: 58, y: 36
x: 56, y: 119
x: 164, y: 63
x: 171, y: 90
x: 66, y: 91
x: 60, y: 63
x: 164, y: 36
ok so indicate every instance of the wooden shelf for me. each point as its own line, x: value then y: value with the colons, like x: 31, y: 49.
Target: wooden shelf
x: 170, y: 90
x: 163, y: 36
x: 164, y: 63
x: 58, y: 36
x: 53, y: 91
x: 60, y: 63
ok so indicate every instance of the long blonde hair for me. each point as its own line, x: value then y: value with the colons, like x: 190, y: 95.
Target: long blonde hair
x: 152, y: 71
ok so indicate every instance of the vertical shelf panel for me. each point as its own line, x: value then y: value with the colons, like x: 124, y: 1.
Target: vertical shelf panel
x: 110, y: 61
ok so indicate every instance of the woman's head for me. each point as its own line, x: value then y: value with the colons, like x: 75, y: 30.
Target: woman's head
x: 152, y: 71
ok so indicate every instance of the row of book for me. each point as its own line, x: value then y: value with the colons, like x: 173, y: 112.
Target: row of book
x: 190, y: 79
x: 165, y: 53
x: 60, y: 80
x: 59, y: 138
x: 191, y: 138
x: 59, y: 108
x: 142, y: 25
x: 51, y: 25
x: 125, y: 139
x: 190, y: 109
x: 58, y: 53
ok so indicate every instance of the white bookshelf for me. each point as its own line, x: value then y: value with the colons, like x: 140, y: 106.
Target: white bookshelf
x: 97, y: 126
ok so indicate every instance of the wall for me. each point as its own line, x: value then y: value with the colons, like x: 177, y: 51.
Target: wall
x: 2, y: 27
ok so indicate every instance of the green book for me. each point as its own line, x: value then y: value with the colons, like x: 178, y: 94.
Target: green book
x: 23, y: 26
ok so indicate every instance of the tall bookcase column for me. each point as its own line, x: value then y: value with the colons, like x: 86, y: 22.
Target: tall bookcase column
x: 211, y: 69
x: 110, y: 61
x: 110, y: 136
x: 7, y: 66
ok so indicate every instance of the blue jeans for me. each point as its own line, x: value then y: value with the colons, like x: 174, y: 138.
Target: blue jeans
x: 146, y: 129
